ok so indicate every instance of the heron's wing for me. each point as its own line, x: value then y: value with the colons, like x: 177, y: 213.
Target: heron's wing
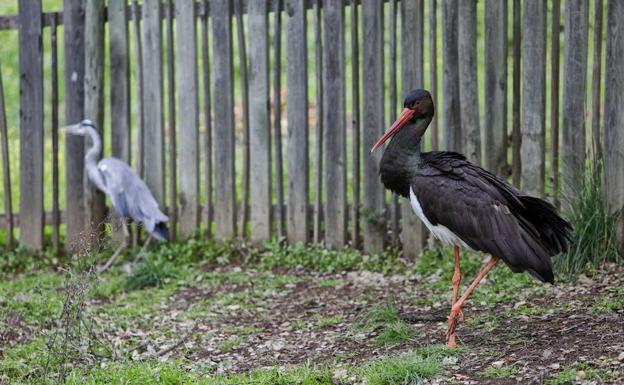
x: 481, y: 209
x: 130, y: 196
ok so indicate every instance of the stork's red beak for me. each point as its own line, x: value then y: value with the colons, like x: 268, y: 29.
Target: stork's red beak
x: 402, y: 120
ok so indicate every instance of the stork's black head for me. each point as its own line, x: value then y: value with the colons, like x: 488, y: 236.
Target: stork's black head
x: 416, y: 105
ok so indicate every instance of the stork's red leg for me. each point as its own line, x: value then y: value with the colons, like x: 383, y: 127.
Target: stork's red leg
x: 456, y: 277
x: 456, y: 309
x: 456, y: 281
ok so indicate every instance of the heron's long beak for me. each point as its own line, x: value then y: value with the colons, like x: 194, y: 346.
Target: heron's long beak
x: 402, y: 120
x: 73, y: 129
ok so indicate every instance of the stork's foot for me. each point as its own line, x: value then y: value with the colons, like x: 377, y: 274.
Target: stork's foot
x: 456, y: 313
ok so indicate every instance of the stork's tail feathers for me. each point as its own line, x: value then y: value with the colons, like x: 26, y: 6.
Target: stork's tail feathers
x: 161, y: 232
x: 555, y: 232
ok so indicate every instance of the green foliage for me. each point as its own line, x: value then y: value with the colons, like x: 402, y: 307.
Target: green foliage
x: 505, y: 371
x: 409, y: 369
x: 231, y: 344
x: 594, y: 227
x: 151, y: 271
x: 385, y: 321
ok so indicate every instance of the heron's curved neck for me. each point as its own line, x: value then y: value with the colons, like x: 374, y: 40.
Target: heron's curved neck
x: 93, y: 153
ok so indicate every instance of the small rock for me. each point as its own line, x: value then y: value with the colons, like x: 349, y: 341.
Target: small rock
x: 581, y: 375
x: 547, y: 353
x: 621, y: 356
x: 498, y: 364
x: 555, y: 366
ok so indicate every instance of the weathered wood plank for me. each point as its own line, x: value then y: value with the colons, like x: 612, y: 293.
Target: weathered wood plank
x: 334, y: 119
x: 468, y: 84
x: 244, y: 84
x: 259, y: 129
x: 208, y: 189
x: 172, y: 163
x: 614, y: 114
x: 153, y: 137
x: 450, y: 78
x: 56, y: 214
x: 138, y: 53
x: 533, y: 96
x: 373, y: 123
x: 596, y: 77
x: 6, y: 171
x: 186, y: 42
x: 413, y: 234
x: 318, y: 50
x: 120, y: 86
x: 433, y: 68
x: 277, y: 121
x: 31, y: 124
x: 297, y: 114
x: 94, y: 105
x: 73, y: 20
x: 495, y: 86
x: 223, y: 90
x: 355, y: 126
x: 392, y: 20
x: 516, y: 131
x: 574, y: 95
x: 554, y: 99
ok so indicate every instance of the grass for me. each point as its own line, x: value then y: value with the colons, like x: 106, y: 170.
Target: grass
x: 409, y: 369
x: 231, y: 343
x: 505, y: 371
x: 594, y: 232
x: 384, y: 320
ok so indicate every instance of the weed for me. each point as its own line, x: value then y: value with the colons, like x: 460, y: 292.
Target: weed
x: 326, y: 322
x: 151, y: 271
x: 594, y: 231
x: 231, y: 343
x: 409, y: 369
x: 384, y: 319
x: 504, y: 371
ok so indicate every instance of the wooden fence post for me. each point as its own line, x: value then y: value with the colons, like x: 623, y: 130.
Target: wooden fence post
x: 277, y: 121
x: 172, y: 158
x: 574, y: 95
x: 495, y: 86
x: 153, y: 138
x: 208, y: 185
x: 297, y: 114
x: 188, y: 153
x: 355, y: 125
x: 334, y: 124
x: 413, y: 233
x: 318, y: 193
x: 373, y: 124
x: 74, y: 30
x: 94, y: 105
x: 6, y: 171
x: 31, y: 124
x: 596, y: 77
x: 433, y: 68
x: 120, y: 84
x: 221, y: 12
x: 554, y: 98
x: 450, y: 79
x: 259, y: 129
x: 516, y: 136
x: 533, y: 96
x: 614, y: 114
x: 468, y: 84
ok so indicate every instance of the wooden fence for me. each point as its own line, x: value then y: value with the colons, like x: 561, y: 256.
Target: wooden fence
x: 214, y: 134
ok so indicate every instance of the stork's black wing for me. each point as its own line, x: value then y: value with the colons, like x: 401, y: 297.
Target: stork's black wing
x: 488, y: 214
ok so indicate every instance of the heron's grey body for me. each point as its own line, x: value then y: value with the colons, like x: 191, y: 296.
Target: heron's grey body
x: 130, y: 196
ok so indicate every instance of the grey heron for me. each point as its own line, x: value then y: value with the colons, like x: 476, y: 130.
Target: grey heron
x: 129, y: 195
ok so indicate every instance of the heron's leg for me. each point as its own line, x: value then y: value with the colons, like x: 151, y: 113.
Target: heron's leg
x: 456, y: 281
x: 140, y: 253
x: 456, y: 309
x: 122, y: 246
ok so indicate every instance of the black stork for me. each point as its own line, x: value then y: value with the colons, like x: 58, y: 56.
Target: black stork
x: 466, y: 206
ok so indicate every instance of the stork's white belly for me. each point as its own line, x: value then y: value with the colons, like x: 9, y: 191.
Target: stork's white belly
x: 439, y: 231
